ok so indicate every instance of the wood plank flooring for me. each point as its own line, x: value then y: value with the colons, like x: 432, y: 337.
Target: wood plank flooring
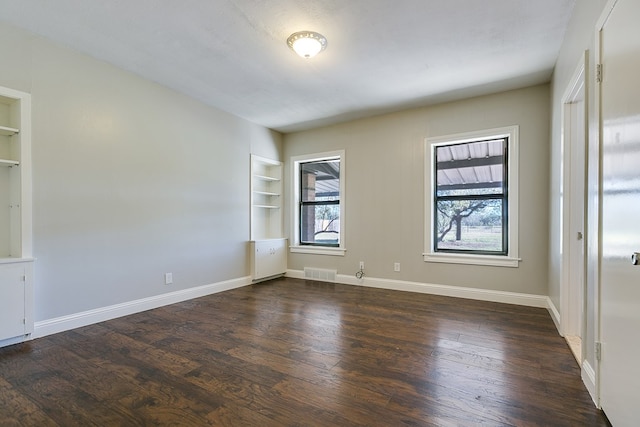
x: 295, y: 353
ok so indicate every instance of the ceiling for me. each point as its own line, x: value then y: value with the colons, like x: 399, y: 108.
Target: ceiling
x: 382, y: 55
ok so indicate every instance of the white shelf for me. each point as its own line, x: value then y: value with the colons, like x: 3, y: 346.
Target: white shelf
x: 7, y: 131
x: 266, y: 178
x: 8, y: 163
x: 266, y: 199
x: 266, y: 193
x: 266, y: 206
x: 11, y: 260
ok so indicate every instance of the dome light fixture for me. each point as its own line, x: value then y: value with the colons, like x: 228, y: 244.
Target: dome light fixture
x: 307, y: 44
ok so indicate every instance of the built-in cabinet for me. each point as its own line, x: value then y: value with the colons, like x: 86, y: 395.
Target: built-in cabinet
x: 269, y: 258
x: 16, y: 300
x: 268, y: 246
x: 16, y: 258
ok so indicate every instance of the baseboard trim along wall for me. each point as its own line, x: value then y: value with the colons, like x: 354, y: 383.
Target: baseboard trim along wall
x: 555, y: 315
x: 540, y: 301
x: 89, y: 317
x: 589, y: 380
x: 77, y: 320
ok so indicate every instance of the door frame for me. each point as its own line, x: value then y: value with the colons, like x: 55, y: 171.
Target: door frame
x: 600, y: 24
x: 595, y: 201
x: 572, y: 313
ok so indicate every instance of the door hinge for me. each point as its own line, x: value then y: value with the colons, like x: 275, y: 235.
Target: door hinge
x: 598, y: 351
x: 24, y: 278
x: 598, y: 73
x: 24, y: 321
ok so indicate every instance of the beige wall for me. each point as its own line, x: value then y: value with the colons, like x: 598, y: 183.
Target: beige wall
x: 131, y: 180
x: 385, y: 192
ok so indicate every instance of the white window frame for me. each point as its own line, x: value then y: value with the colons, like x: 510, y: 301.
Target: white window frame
x: 296, y: 247
x: 511, y: 259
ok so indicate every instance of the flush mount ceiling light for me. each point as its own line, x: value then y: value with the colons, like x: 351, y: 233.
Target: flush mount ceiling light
x: 307, y: 44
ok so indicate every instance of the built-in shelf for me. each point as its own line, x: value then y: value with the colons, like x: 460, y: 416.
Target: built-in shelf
x: 16, y: 262
x: 8, y: 163
x: 7, y: 131
x: 266, y: 193
x: 266, y: 206
x: 266, y: 200
x: 266, y: 178
x: 269, y: 247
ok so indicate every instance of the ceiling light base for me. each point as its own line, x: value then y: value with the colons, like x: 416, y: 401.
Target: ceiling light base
x: 307, y: 44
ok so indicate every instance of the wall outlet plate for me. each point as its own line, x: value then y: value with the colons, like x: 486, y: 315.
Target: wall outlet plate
x: 168, y: 278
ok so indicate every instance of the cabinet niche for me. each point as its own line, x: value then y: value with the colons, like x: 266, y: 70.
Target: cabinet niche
x: 268, y: 245
x: 16, y: 282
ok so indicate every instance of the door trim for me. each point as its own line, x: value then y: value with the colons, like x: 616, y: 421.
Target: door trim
x: 569, y: 311
x: 595, y: 193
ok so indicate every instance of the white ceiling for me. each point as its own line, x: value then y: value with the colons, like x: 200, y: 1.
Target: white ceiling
x: 382, y: 55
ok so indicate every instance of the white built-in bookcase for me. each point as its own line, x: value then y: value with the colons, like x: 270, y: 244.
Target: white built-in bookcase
x: 16, y: 254
x: 267, y: 238
x: 266, y: 198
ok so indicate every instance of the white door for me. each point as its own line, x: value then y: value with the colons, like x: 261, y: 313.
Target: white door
x: 620, y: 280
x: 574, y: 145
x: 12, y: 288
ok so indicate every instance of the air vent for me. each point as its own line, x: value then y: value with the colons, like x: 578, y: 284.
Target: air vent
x: 321, y: 274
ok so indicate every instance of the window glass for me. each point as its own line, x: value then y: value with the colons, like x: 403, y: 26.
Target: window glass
x: 319, y: 203
x: 470, y: 197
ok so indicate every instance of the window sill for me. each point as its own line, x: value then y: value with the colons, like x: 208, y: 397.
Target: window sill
x: 491, y: 260
x: 317, y: 250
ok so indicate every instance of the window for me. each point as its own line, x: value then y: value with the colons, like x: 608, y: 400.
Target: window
x: 470, y: 204
x: 473, y: 198
x: 319, y: 203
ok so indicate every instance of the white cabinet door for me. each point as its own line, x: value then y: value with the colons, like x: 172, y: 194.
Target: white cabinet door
x: 12, y: 301
x: 620, y: 278
x: 269, y: 258
x: 279, y: 257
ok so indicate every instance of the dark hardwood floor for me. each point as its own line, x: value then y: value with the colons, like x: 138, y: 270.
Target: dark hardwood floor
x: 294, y: 353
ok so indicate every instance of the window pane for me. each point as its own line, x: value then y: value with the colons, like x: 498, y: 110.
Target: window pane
x: 470, y: 168
x: 320, y: 181
x: 320, y: 224
x: 469, y: 225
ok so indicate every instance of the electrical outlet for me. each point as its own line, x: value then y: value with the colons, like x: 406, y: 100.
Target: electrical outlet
x: 361, y: 265
x: 168, y: 278
x: 396, y: 266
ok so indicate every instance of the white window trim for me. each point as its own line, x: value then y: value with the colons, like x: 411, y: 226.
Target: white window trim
x: 509, y: 260
x: 296, y: 247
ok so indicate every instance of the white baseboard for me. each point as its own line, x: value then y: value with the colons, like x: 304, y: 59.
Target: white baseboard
x: 555, y: 315
x: 589, y: 379
x: 77, y: 320
x: 540, y: 301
